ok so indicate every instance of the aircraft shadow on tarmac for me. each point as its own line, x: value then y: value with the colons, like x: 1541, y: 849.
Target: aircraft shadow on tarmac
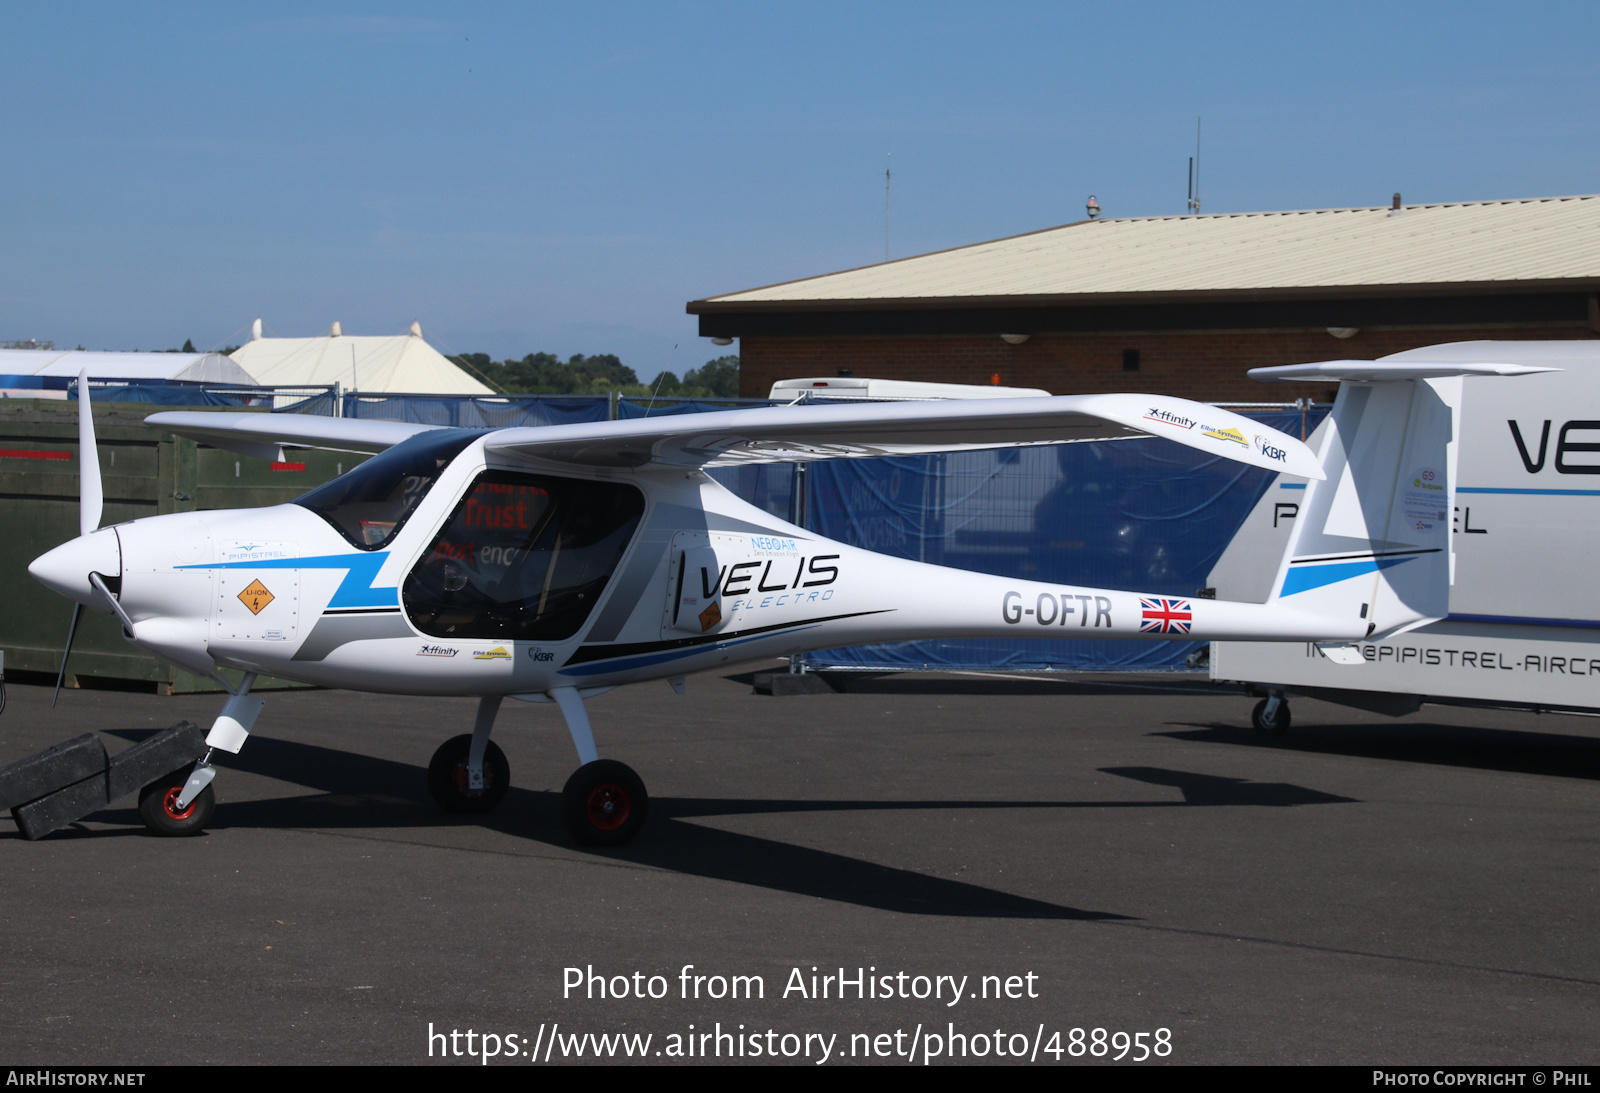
x: 1043, y: 686
x: 362, y: 792
x: 1508, y: 750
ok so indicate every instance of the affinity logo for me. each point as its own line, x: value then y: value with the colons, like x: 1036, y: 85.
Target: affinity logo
x: 437, y: 651
x: 1167, y: 417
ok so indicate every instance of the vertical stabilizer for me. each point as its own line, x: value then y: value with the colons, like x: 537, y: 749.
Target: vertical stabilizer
x: 1372, y: 539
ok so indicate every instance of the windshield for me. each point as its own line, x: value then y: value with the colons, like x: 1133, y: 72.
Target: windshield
x: 370, y: 503
x: 523, y: 557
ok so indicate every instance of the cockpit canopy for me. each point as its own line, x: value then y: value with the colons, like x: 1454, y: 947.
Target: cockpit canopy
x: 372, y: 502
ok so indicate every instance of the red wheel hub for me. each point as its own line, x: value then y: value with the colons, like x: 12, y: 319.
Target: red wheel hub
x: 608, y: 806
x: 169, y: 804
x: 461, y: 780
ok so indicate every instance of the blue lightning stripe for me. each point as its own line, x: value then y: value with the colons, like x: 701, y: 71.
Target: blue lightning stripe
x: 658, y: 658
x: 1305, y: 578
x: 354, y: 591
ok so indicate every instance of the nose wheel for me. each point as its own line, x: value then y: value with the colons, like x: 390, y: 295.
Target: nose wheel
x: 603, y: 804
x: 450, y: 785
x: 158, y: 806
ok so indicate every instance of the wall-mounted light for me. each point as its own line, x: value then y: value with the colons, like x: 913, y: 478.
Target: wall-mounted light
x: 721, y: 341
x: 1093, y: 208
x: 1344, y: 331
x: 1015, y: 339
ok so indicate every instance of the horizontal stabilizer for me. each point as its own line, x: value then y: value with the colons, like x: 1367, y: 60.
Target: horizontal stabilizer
x: 1389, y: 371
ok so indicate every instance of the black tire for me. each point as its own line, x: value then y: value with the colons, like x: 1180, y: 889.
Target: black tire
x: 447, y: 777
x: 1278, y: 725
x: 158, y: 810
x: 603, y: 804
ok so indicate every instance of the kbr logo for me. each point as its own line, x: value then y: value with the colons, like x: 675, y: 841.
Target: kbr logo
x: 540, y: 655
x: 1270, y: 450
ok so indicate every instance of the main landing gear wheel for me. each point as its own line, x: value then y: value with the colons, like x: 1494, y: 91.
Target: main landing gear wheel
x: 603, y: 804
x: 158, y: 806
x: 1277, y: 724
x: 448, y: 782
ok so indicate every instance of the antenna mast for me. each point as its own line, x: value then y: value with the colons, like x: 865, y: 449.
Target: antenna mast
x: 886, y: 206
x: 1194, y: 171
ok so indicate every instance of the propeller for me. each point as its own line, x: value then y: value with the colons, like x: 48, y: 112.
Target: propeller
x: 91, y: 497
x: 91, y: 503
x: 77, y: 613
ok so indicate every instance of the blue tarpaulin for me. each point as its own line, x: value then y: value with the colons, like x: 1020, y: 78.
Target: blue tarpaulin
x: 1140, y: 514
x: 160, y: 395
x: 479, y: 413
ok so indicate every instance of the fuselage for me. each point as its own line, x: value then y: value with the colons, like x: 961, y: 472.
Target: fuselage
x: 437, y: 571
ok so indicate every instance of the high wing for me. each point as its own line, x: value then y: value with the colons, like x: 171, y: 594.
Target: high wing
x: 784, y: 434
x: 266, y: 435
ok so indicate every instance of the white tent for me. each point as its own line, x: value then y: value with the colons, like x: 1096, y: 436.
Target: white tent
x: 46, y: 373
x: 399, y: 363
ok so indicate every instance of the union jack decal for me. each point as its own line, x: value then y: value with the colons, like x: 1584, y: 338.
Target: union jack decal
x: 1164, y: 616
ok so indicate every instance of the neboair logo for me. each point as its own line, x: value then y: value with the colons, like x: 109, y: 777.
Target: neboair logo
x: 1267, y: 448
x: 771, y: 544
x: 437, y: 651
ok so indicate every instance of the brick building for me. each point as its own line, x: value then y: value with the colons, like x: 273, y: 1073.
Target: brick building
x: 1182, y: 305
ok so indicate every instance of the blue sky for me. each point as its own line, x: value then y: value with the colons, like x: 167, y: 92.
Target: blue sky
x: 525, y: 177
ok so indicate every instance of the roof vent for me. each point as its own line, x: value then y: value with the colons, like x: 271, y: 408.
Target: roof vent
x: 1395, y: 209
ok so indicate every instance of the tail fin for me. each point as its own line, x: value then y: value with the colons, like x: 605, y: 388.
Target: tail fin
x: 1372, y: 539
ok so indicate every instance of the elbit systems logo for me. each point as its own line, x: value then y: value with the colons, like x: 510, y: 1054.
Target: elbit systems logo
x: 1228, y: 434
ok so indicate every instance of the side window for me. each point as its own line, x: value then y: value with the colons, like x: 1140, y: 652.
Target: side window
x: 524, y: 557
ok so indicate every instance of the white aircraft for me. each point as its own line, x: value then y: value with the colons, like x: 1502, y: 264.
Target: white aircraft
x: 551, y: 564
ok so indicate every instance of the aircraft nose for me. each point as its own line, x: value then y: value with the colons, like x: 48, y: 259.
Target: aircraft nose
x: 66, y: 569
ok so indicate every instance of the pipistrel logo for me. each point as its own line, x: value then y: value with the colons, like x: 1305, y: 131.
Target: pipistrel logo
x: 437, y: 651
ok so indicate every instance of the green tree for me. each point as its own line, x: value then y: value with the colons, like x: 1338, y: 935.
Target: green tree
x: 715, y: 379
x: 548, y: 374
